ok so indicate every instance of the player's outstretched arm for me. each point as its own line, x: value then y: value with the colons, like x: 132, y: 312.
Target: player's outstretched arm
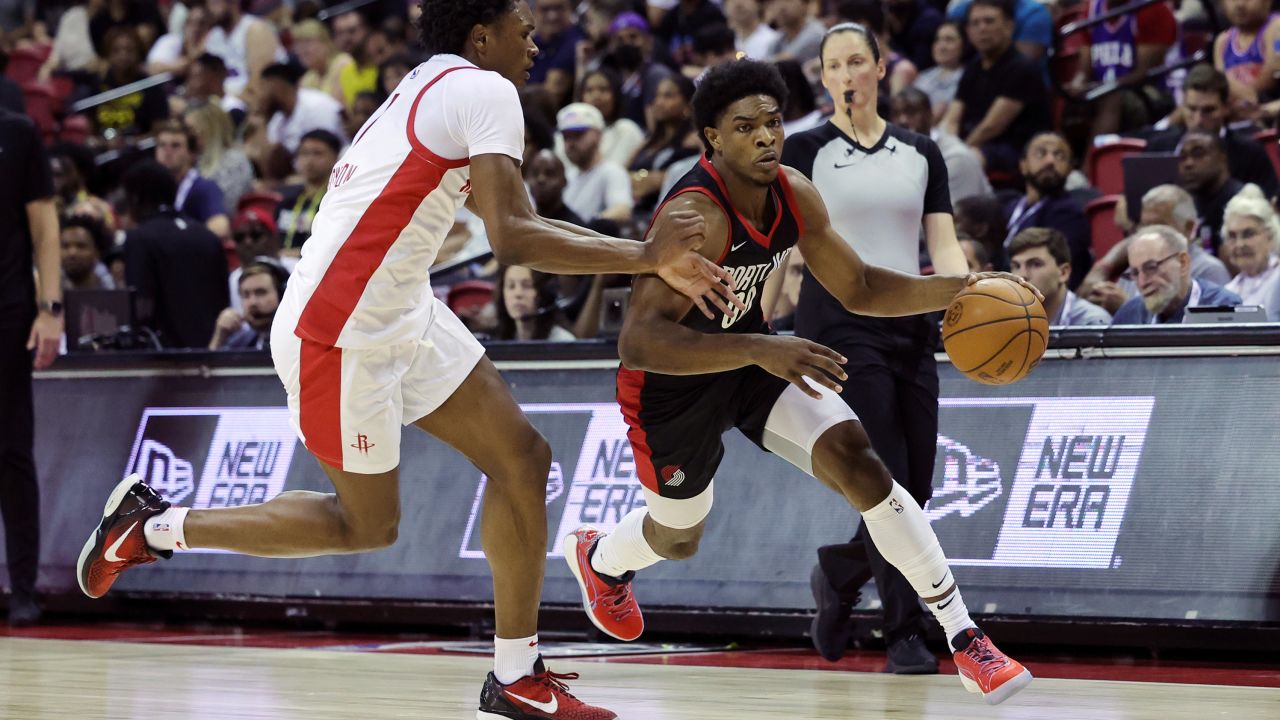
x: 869, y: 289
x: 654, y: 340
x: 519, y: 236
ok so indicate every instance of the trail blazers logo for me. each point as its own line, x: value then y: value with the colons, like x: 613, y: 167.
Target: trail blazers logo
x: 214, y: 457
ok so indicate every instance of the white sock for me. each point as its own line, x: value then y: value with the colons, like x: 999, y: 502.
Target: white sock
x: 165, y: 531
x: 625, y: 548
x: 513, y: 658
x: 902, y: 534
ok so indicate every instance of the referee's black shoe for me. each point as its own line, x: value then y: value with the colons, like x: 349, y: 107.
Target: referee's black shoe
x: 832, y: 627
x: 908, y: 655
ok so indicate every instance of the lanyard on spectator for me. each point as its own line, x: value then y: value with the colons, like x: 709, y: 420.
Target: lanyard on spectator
x: 184, y: 188
x: 308, y: 210
x: 1192, y: 301
x: 1021, y: 213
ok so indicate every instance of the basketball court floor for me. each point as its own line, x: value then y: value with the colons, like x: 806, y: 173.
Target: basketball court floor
x: 130, y: 671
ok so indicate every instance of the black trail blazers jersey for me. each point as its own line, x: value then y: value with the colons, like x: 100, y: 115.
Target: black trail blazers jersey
x: 750, y: 255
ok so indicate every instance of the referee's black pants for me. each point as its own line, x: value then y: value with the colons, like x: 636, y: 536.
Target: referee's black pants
x: 19, y: 493
x: 893, y: 387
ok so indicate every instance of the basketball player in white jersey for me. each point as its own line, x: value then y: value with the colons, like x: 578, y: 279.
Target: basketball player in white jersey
x: 363, y: 347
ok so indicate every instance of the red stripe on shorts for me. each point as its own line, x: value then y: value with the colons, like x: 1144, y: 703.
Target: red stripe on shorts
x: 320, y: 401
x: 630, y: 384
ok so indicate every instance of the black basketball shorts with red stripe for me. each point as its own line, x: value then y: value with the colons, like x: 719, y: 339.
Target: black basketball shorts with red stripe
x: 676, y: 422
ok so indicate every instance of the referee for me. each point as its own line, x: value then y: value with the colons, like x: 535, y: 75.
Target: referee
x: 880, y: 183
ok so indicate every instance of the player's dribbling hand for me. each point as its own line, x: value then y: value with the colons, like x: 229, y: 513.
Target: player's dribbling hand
x: 975, y: 277
x: 673, y: 241
x: 793, y: 359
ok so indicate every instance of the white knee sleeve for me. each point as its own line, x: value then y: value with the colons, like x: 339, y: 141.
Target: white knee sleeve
x: 797, y: 421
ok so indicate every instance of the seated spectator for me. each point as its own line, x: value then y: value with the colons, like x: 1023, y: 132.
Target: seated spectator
x: 975, y: 256
x: 526, y: 303
x: 198, y: 197
x: 1041, y: 257
x: 1160, y: 264
x: 546, y: 178
x: 175, y: 51
x: 177, y: 266
x: 1162, y: 205
x: 681, y: 24
x: 317, y: 154
x: 600, y: 189
x: 294, y: 111
x: 1203, y: 172
x: 713, y: 45
x: 912, y: 25
x: 72, y: 45
x: 85, y: 241
x: 801, y: 112
x: 631, y: 54
x: 671, y: 137
x: 799, y: 33
x: 140, y: 17
x: 221, y: 159
x: 752, y: 35
x: 1033, y: 25
x: 1251, y: 241
x: 1001, y: 100
x: 135, y: 113
x: 1251, y: 70
x: 557, y: 39
x: 621, y: 137
x: 912, y: 110
x: 351, y: 34
x: 1046, y: 202
x: 982, y: 217
x: 365, y: 106
x: 261, y: 285
x: 900, y: 72
x: 246, y: 43
x: 1123, y: 53
x: 72, y: 165
x: 324, y: 63
x: 393, y: 71
x: 941, y: 81
x: 204, y: 85
x: 1204, y: 107
x: 257, y: 239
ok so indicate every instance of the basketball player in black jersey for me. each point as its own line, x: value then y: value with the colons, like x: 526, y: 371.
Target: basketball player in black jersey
x: 686, y: 380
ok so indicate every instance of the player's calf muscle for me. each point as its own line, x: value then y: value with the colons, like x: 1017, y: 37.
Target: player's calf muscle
x: 843, y: 457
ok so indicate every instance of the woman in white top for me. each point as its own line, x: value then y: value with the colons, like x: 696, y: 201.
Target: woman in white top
x: 940, y: 81
x: 1250, y: 242
x: 621, y: 137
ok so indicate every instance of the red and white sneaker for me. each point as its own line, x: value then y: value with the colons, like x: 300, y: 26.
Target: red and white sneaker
x: 119, y: 542
x: 608, y: 601
x: 540, y: 696
x: 984, y: 669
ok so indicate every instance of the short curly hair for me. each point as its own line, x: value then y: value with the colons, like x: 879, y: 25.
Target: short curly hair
x: 726, y: 84
x: 445, y: 24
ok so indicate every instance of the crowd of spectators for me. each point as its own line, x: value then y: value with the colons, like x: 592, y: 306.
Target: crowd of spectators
x: 191, y: 142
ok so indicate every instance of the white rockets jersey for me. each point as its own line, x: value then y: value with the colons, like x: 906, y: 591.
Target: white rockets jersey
x: 363, y: 280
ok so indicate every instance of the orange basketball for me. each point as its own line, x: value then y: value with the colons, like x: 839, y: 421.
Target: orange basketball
x: 995, y: 331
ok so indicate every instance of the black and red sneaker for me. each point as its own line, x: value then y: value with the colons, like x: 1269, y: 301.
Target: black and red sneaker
x: 609, y: 601
x: 540, y: 696
x: 119, y: 543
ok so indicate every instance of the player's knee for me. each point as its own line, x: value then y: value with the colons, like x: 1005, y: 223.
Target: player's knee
x: 859, y: 473
x: 529, y: 459
x: 371, y: 531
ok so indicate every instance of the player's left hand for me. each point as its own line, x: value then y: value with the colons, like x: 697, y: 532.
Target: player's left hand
x: 46, y: 336
x: 703, y: 282
x: 975, y: 277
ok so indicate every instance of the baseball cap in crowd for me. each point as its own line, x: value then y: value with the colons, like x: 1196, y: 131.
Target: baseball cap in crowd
x: 629, y: 21
x: 254, y: 214
x: 579, y: 116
